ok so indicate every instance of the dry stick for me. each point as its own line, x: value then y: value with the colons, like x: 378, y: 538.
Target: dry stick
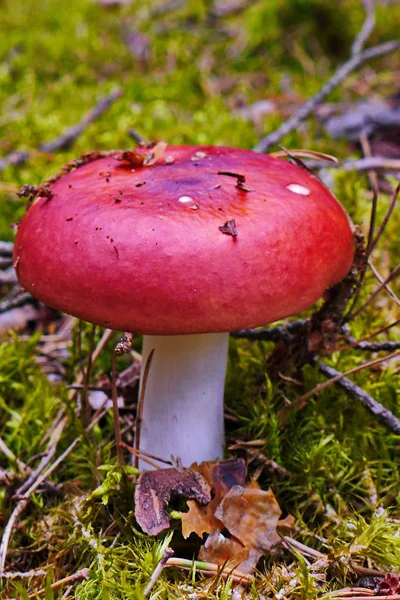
x: 378, y: 163
x: 82, y: 574
x: 67, y: 592
x: 377, y: 347
x: 362, y: 343
x: 157, y: 571
x: 139, y: 416
x: 123, y: 346
x: 6, y: 249
x: 140, y: 455
x: 373, y: 178
x: 68, y: 137
x: 270, y: 334
x: 102, y: 342
x: 340, y: 75
x: 209, y: 569
x: 117, y: 426
x: 387, y: 217
x: 290, y: 543
x: 366, y: 596
x: 360, y: 570
x: 366, y: 164
x: 274, y: 334
x: 381, y: 280
x: 24, y: 501
x: 135, y: 135
x: 351, y: 592
x: 85, y: 406
x: 301, y: 401
x: 366, y: 29
x: 382, y: 414
x: 16, y: 302
x: 390, y: 277
x: 46, y: 459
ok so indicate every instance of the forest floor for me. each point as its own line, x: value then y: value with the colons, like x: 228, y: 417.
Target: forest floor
x: 221, y: 73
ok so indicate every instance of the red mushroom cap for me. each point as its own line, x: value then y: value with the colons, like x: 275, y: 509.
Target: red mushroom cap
x: 207, y: 239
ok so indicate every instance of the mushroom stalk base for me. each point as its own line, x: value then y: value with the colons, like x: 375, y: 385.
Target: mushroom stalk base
x: 183, y: 402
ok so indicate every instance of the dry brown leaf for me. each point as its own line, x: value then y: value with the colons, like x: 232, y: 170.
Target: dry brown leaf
x: 221, y: 550
x: 221, y: 476
x: 287, y: 524
x: 251, y: 515
x: 155, y: 489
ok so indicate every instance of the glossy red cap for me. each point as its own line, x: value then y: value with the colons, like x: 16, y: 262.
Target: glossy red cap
x: 207, y: 239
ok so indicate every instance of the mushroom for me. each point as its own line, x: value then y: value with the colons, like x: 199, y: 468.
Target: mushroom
x: 199, y: 242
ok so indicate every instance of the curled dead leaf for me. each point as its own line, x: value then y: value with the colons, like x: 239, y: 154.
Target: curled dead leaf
x: 251, y: 515
x: 221, y: 476
x: 155, y: 490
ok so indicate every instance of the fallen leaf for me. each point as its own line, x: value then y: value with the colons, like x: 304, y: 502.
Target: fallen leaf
x: 221, y: 476
x: 221, y: 550
x: 155, y: 490
x: 251, y: 515
x: 287, y: 524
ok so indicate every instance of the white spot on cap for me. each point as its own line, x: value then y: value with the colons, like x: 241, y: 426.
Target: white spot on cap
x: 198, y: 156
x: 185, y: 199
x: 298, y: 189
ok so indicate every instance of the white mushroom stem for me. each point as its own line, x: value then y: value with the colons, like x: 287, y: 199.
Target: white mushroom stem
x: 183, y: 402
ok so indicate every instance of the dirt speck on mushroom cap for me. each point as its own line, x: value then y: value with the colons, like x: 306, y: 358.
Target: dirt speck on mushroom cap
x: 179, y: 274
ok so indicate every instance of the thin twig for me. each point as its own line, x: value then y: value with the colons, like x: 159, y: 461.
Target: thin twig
x: 82, y: 574
x: 301, y: 401
x: 139, y: 416
x: 352, y: 592
x: 6, y: 249
x: 117, y: 426
x: 85, y: 406
x: 157, y: 571
x: 378, y: 163
x: 366, y: 29
x: 290, y: 543
x: 136, y: 136
x: 16, y: 302
x: 390, y: 277
x: 382, y: 414
x: 140, y: 455
x: 373, y: 178
x: 148, y: 455
x: 66, y: 139
x: 47, y: 457
x: 374, y: 346
x: 209, y: 569
x: 123, y: 346
x: 387, y: 217
x: 354, y: 62
x: 270, y: 334
x: 24, y: 501
x: 382, y: 281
